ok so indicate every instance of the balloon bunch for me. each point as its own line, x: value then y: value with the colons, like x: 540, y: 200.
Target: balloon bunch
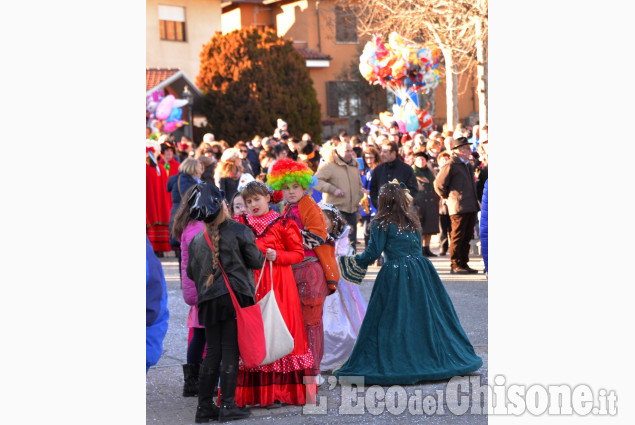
x: 401, y: 65
x: 164, y: 113
x: 405, y: 68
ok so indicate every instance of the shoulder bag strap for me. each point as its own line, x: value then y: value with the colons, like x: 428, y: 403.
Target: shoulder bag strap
x: 231, y: 293
x: 178, y: 186
x: 262, y: 272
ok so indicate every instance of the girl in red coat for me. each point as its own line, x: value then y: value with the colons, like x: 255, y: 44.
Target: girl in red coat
x: 279, y: 239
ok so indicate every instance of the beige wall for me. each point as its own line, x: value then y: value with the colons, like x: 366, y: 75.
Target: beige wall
x: 202, y: 20
x: 298, y: 20
x: 244, y: 16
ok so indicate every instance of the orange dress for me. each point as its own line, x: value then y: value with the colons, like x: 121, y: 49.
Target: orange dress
x: 282, y: 380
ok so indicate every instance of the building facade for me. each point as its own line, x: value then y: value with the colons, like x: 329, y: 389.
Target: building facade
x: 326, y: 36
x: 176, y: 31
x: 323, y: 33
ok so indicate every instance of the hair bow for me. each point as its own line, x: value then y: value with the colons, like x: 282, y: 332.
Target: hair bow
x: 403, y: 187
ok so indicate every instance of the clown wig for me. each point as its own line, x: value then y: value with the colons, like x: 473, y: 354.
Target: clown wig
x: 287, y: 171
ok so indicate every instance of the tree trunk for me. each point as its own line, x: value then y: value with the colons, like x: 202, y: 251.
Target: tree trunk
x: 451, y: 89
x: 429, y: 97
x: 481, y: 72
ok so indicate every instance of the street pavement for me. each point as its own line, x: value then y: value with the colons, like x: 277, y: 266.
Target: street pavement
x: 164, y: 381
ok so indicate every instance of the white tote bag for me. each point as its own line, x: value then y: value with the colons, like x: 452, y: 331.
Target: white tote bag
x: 278, y: 339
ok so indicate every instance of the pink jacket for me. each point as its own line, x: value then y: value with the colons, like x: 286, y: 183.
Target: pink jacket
x: 189, y: 287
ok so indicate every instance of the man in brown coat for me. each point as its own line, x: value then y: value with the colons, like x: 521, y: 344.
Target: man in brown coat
x: 455, y: 183
x: 340, y: 181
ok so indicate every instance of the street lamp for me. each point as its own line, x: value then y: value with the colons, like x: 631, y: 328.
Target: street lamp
x: 190, y: 101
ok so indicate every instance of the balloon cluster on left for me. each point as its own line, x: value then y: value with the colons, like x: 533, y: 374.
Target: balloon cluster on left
x: 164, y: 112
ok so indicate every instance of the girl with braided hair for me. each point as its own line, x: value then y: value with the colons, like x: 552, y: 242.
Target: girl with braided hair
x: 411, y: 332
x: 279, y: 240
x: 232, y: 246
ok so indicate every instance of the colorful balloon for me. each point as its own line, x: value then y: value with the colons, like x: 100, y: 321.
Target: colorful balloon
x: 386, y: 118
x: 165, y: 107
x: 175, y: 115
x: 170, y: 126
x: 410, y: 117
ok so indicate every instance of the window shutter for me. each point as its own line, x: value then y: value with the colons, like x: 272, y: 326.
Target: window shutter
x: 332, y: 99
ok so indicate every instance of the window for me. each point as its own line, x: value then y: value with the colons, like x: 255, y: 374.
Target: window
x: 345, y: 25
x: 343, y: 98
x: 172, y: 23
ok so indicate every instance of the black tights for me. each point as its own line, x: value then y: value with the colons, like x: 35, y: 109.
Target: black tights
x: 222, y: 343
x: 197, y: 346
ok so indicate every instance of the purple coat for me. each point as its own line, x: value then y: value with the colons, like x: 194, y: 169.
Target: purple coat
x: 189, y: 287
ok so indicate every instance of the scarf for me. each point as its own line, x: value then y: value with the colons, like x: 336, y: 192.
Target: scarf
x: 261, y: 223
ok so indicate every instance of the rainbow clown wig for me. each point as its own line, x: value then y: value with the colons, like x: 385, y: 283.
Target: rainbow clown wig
x: 287, y: 171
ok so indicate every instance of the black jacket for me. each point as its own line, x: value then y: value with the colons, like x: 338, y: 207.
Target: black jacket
x: 230, y: 187
x: 238, y: 255
x: 387, y: 171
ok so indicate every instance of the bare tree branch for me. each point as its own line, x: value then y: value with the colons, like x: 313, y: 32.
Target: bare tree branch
x: 457, y: 27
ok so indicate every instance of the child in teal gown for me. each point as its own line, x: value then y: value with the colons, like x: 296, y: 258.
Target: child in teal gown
x: 411, y: 332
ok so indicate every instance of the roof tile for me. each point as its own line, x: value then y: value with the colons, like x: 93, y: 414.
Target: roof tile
x: 155, y: 75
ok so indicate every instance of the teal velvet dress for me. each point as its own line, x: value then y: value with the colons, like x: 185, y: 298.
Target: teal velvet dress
x: 411, y: 332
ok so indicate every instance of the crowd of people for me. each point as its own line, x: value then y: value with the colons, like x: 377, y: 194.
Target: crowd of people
x: 296, y: 205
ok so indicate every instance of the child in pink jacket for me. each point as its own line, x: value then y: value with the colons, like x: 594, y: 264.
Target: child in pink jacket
x: 184, y: 229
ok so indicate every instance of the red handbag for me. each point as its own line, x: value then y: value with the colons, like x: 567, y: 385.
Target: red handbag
x: 251, y: 332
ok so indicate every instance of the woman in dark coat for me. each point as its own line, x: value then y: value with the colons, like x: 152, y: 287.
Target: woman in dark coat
x: 189, y: 174
x: 426, y: 201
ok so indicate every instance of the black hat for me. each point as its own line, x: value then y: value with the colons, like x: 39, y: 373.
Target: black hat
x: 421, y: 153
x: 168, y: 145
x: 205, y: 202
x: 459, y: 142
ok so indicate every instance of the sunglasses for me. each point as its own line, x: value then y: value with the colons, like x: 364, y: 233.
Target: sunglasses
x: 243, y: 150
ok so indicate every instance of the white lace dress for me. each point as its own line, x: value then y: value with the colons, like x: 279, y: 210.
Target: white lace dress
x: 343, y: 315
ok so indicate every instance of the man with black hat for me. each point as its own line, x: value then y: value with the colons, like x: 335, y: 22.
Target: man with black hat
x: 455, y: 183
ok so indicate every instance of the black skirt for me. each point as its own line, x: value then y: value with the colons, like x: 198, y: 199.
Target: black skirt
x: 221, y: 308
